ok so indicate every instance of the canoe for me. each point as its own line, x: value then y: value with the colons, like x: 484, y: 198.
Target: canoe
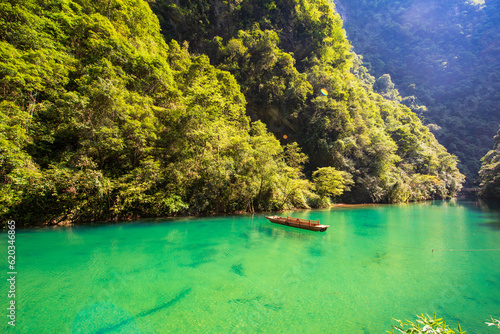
x: 306, y: 224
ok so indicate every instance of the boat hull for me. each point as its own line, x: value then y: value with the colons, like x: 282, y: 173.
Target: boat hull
x: 298, y: 223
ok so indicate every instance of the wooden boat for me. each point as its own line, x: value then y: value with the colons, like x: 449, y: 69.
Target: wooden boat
x: 312, y: 225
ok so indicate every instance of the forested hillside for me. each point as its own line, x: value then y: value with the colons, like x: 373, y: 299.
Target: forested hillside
x: 490, y: 172
x: 283, y: 54
x: 444, y: 57
x: 102, y: 117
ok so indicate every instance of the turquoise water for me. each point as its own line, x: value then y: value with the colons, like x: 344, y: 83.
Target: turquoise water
x: 242, y: 274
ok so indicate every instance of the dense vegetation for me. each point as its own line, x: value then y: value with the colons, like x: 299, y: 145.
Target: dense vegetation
x: 489, y: 174
x: 101, y: 118
x: 444, y: 58
x: 283, y: 54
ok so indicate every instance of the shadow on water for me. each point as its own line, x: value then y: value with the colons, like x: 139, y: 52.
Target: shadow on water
x: 279, y: 231
x: 200, y: 253
x: 380, y: 257
x: 245, y: 300
x: 173, y: 301
x: 274, y: 307
x: 196, y: 263
x: 106, y: 317
x: 491, y: 282
x: 250, y: 240
x: 472, y: 299
x: 316, y: 251
x: 267, y: 231
x: 368, y: 227
x: 238, y: 269
x: 492, y: 224
x: 370, y: 224
x: 256, y: 302
x: 485, y: 205
x: 244, y: 236
x: 199, y: 257
x: 196, y: 246
x: 362, y: 234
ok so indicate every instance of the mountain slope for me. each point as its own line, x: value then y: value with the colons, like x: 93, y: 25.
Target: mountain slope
x: 283, y: 54
x: 440, y: 54
x: 101, y: 119
x: 490, y: 172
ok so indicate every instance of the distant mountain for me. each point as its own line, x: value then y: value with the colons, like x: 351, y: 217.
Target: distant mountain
x: 441, y: 54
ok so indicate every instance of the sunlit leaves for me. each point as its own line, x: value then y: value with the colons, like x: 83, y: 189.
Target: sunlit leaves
x: 425, y: 324
x: 331, y: 182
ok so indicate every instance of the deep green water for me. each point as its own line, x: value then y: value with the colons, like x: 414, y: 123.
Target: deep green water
x: 244, y: 274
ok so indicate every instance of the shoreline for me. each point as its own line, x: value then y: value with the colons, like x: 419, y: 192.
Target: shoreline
x: 119, y: 220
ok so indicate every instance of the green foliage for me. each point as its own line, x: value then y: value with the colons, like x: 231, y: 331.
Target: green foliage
x: 283, y: 55
x: 17, y: 169
x: 425, y: 324
x: 331, y: 182
x: 100, y: 119
x: 428, y: 324
x: 272, y: 85
x: 490, y: 172
x: 385, y: 87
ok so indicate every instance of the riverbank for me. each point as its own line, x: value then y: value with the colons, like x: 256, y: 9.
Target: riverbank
x: 130, y: 218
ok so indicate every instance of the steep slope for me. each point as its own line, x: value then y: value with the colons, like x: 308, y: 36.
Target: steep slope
x: 297, y: 72
x: 446, y: 55
x: 101, y: 119
x: 490, y: 172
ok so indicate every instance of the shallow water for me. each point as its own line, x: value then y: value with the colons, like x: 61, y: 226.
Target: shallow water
x: 243, y: 274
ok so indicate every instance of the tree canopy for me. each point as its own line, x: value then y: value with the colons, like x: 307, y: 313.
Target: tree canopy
x: 284, y: 54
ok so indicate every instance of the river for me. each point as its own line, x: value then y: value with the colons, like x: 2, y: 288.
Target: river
x: 243, y: 274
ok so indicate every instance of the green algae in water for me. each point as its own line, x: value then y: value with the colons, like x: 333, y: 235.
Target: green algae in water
x: 244, y: 274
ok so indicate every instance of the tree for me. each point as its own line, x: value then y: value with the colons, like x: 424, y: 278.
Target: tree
x: 443, y: 62
x: 102, y: 119
x: 385, y: 87
x: 330, y: 182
